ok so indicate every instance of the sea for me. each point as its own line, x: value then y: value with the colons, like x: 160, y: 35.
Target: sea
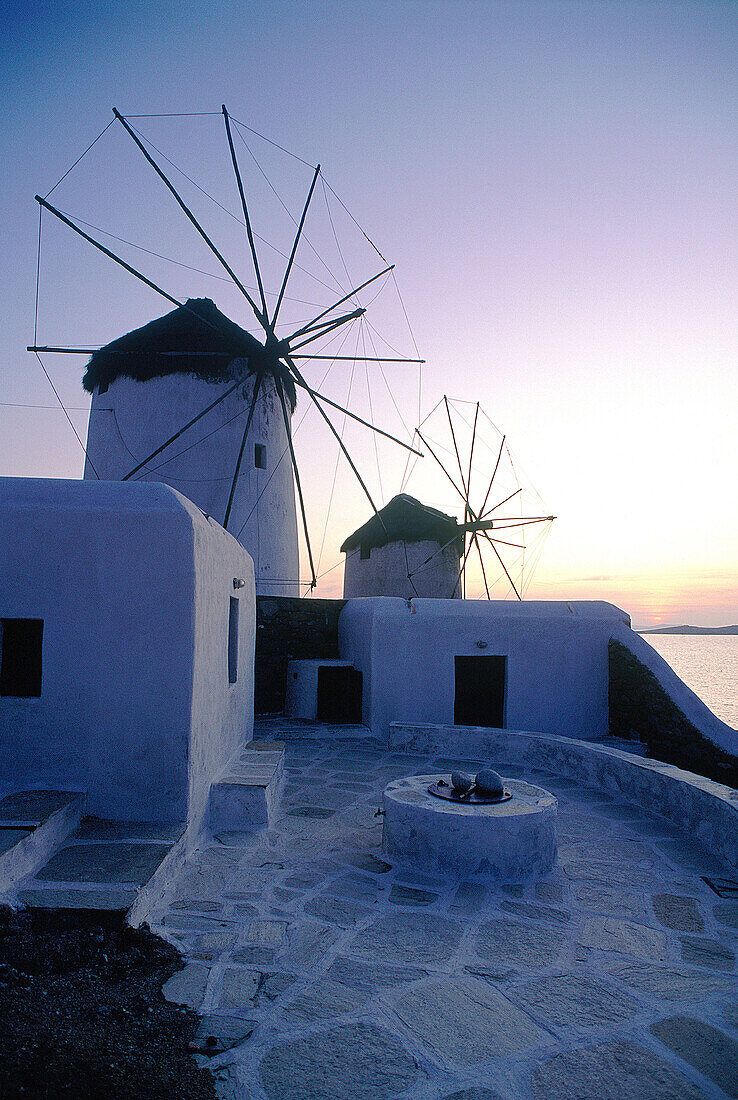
x: 708, y: 663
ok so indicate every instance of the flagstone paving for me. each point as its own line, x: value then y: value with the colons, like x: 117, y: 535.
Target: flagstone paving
x: 325, y: 973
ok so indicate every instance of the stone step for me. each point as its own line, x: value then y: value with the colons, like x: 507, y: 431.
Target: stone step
x: 247, y: 795
x: 110, y: 865
x: 32, y: 825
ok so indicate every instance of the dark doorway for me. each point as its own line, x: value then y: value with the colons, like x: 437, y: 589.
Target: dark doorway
x: 339, y: 695
x: 479, y: 695
x: 21, y: 642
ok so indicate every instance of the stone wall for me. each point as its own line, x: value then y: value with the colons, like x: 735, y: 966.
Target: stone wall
x: 290, y: 629
x: 640, y: 710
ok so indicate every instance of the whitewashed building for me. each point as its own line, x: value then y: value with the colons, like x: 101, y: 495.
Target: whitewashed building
x: 126, y: 648
x: 407, y: 549
x: 528, y: 666
x: 151, y: 383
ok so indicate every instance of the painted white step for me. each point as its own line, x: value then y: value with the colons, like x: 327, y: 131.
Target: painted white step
x: 247, y: 795
x: 33, y: 824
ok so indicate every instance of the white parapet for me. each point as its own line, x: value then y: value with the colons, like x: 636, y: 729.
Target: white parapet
x: 505, y: 841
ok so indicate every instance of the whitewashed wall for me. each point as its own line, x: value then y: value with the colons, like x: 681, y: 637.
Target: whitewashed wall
x: 131, y: 419
x: 385, y: 571
x: 133, y: 584
x: 557, y: 659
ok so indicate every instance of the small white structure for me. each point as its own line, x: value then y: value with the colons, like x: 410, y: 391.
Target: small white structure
x: 407, y: 549
x: 126, y: 656
x: 506, y: 842
x: 323, y: 688
x: 530, y: 666
x: 151, y: 383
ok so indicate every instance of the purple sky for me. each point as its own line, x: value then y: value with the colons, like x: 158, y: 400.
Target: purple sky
x: 556, y: 183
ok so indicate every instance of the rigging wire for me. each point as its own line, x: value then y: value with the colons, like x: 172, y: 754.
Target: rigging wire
x: 353, y: 219
x: 308, y: 409
x: 79, y: 158
x: 38, y: 277
x: 412, y: 337
x: 371, y: 414
x: 335, y: 238
x: 179, y: 263
x: 293, y: 220
x: 225, y: 209
x: 52, y: 408
x: 270, y: 142
x: 71, y: 424
x: 338, y: 458
x: 178, y: 114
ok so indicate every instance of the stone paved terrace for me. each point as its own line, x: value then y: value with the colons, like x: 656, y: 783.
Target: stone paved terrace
x: 326, y: 973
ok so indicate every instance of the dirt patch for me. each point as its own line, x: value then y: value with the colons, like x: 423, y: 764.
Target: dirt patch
x: 83, y: 1014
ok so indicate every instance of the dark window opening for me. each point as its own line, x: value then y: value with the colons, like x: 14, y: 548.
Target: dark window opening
x: 480, y: 689
x: 260, y: 456
x: 233, y: 641
x: 20, y: 657
x: 365, y: 551
x: 339, y: 695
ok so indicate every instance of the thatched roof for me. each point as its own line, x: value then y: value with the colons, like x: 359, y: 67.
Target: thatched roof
x: 405, y: 519
x: 195, y: 339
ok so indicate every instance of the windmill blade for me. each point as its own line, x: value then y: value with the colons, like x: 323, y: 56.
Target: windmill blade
x: 513, y: 494
x: 213, y: 248
x: 294, y: 249
x: 300, y: 381
x: 499, y: 558
x: 471, y: 455
x: 330, y: 326
x: 126, y: 266
x: 448, y: 475
x: 106, y: 251
x: 494, y: 475
x: 257, y: 387
x: 182, y: 430
x: 351, y: 293
x: 331, y: 358
x: 481, y: 562
x: 462, y: 570
x: 325, y: 326
x: 264, y: 311
x: 456, y: 450
x: 288, y: 429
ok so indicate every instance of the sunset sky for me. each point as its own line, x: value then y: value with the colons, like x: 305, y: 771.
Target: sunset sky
x: 555, y: 183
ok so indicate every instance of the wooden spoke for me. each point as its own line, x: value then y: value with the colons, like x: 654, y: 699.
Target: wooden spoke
x: 494, y: 475
x: 307, y: 328
x: 181, y: 431
x: 499, y: 558
x: 456, y: 450
x: 448, y: 475
x: 300, y: 381
x: 333, y: 358
x: 257, y: 387
x: 328, y: 328
x: 288, y: 429
x: 491, y: 510
x: 294, y: 249
x: 191, y: 216
x: 106, y: 251
x: 264, y: 311
x: 481, y: 562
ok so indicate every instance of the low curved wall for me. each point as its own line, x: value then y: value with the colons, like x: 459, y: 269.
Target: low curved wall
x: 688, y: 707
x: 705, y: 810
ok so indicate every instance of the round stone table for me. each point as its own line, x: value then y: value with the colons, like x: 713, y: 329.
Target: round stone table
x: 506, y: 841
